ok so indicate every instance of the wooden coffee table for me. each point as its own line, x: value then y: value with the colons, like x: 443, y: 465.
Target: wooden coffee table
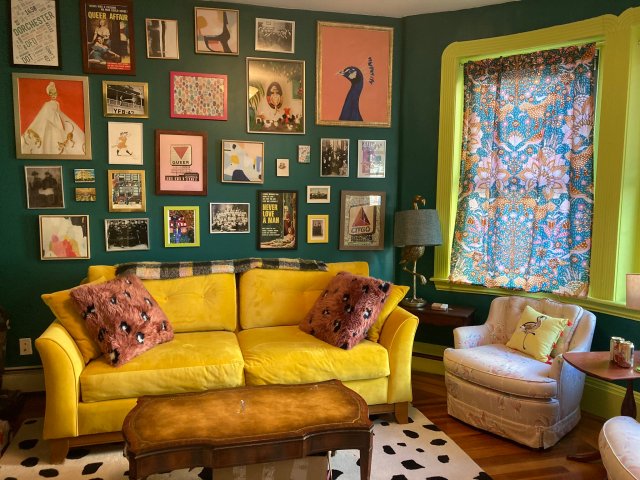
x: 246, y: 425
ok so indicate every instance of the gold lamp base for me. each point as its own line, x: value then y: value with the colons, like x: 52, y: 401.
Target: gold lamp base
x: 413, y: 302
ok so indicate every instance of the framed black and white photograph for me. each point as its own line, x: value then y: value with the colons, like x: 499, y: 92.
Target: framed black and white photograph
x: 334, y: 160
x: 229, y: 218
x: 275, y: 35
x: 162, y: 38
x: 126, y: 234
x: 125, y: 99
x: 35, y: 33
x: 282, y: 167
x: 44, y: 187
x: 318, y: 194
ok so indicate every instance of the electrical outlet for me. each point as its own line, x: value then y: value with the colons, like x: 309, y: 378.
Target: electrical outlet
x: 25, y: 346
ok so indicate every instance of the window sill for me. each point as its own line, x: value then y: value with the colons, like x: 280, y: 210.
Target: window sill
x: 591, y: 304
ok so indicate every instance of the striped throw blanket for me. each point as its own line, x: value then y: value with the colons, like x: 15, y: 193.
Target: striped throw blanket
x: 164, y: 270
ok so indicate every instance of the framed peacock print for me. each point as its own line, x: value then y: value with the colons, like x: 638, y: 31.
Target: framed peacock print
x: 354, y: 75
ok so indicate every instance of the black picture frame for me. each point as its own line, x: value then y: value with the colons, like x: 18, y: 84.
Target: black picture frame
x: 277, y: 219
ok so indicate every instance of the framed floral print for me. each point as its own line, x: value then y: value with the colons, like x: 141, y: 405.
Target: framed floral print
x: 181, y: 226
x: 198, y: 95
x: 181, y: 162
x: 127, y: 191
x: 354, y: 74
x: 277, y: 219
x: 64, y: 237
x: 275, y: 96
x: 40, y: 100
x: 35, y: 33
x: 107, y: 37
x: 216, y: 30
x: 362, y: 220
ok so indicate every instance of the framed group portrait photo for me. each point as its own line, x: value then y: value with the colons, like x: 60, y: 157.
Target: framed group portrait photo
x: 354, y: 66
x: 35, y: 33
x: 126, y: 234
x: 107, y: 39
x: 275, y: 35
x: 229, y: 217
x: 51, y: 116
x: 362, y: 220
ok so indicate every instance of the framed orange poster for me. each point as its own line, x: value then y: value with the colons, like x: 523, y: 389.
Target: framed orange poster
x: 354, y: 75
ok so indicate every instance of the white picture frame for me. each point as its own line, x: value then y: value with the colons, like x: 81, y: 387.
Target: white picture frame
x: 372, y: 158
x: 318, y: 194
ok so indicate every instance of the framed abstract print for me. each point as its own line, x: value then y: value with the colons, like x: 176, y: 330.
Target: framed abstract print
x: 162, y: 38
x: 126, y: 234
x: 216, y: 30
x: 181, y: 226
x: 372, y: 156
x: 44, y: 187
x: 229, y: 218
x: 181, y: 162
x: 42, y: 100
x: 127, y: 191
x: 125, y: 143
x: 362, y: 220
x: 277, y: 219
x: 198, y: 95
x: 317, y: 228
x: 125, y: 99
x: 275, y: 35
x: 354, y: 74
x: 242, y: 161
x: 275, y: 96
x: 334, y: 157
x: 64, y: 237
x: 35, y: 33
x: 107, y: 37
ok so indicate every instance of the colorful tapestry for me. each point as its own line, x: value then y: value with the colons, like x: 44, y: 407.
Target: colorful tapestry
x: 526, y: 176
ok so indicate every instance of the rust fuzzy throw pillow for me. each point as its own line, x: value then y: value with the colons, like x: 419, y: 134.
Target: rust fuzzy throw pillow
x: 122, y: 317
x: 346, y: 309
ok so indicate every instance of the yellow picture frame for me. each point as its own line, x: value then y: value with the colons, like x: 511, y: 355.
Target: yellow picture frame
x: 317, y: 228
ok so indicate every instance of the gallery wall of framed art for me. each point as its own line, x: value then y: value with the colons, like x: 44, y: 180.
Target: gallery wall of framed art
x: 170, y: 120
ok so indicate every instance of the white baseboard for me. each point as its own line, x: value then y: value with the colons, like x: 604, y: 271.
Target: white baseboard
x: 30, y: 379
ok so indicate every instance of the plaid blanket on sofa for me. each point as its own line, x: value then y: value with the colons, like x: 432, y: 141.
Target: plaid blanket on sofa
x: 164, y: 270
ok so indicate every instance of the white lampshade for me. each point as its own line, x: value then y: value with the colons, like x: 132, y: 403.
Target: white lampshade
x: 633, y: 290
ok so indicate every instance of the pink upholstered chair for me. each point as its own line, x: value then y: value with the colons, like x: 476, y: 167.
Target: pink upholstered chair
x: 506, y: 392
x: 618, y: 442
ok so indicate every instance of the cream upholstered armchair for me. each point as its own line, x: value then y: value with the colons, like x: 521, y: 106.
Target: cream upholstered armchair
x: 618, y: 443
x: 509, y: 393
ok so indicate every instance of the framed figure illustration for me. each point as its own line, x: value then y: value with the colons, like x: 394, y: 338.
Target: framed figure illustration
x: 181, y: 226
x: 216, y: 30
x: 242, y: 161
x: 372, y: 158
x: 275, y: 96
x: 277, y: 219
x: 198, y: 95
x: 229, y: 218
x: 35, y: 33
x: 162, y: 38
x: 126, y: 234
x: 181, y: 162
x: 44, y: 187
x: 125, y: 99
x: 51, y: 116
x: 64, y: 237
x: 125, y: 143
x: 127, y: 191
x: 362, y: 220
x: 107, y: 37
x: 354, y: 74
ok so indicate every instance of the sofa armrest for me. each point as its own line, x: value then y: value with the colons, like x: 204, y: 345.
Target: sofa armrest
x: 397, y: 336
x: 62, y: 363
x: 472, y: 336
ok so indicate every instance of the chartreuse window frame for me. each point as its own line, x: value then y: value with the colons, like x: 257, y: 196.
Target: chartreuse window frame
x: 615, y: 247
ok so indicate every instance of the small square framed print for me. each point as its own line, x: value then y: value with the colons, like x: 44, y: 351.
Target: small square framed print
x: 317, y: 228
x: 64, y: 237
x: 162, y: 38
x: 282, y: 167
x: 318, y: 194
x: 181, y: 226
x: 229, y: 218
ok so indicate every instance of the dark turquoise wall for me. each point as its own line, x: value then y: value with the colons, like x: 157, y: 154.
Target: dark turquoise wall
x: 23, y: 276
x: 425, y: 38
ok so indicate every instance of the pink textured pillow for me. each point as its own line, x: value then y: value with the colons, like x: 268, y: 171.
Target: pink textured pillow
x: 122, y: 317
x: 347, y: 308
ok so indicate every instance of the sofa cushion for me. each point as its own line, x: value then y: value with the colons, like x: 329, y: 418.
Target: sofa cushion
x: 618, y: 444
x: 123, y: 317
x: 395, y: 296
x: 500, y: 368
x: 288, y: 355
x: 347, y: 308
x: 262, y: 293
x: 536, y: 334
x: 186, y: 364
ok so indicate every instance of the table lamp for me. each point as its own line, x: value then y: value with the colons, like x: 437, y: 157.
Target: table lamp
x: 633, y: 290
x: 413, y: 231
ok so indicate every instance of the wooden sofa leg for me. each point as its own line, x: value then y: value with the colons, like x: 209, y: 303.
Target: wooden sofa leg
x: 59, y: 450
x: 401, y: 412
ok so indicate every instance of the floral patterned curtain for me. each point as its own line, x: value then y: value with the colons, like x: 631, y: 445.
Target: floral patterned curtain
x: 526, y: 177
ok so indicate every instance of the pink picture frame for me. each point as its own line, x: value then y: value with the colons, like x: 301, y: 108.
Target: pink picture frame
x: 181, y: 162
x: 201, y: 96
x: 354, y: 75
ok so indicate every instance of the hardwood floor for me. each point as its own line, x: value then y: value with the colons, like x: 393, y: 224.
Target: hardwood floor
x: 500, y: 458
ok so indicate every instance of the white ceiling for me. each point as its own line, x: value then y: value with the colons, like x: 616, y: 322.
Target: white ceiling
x: 383, y: 8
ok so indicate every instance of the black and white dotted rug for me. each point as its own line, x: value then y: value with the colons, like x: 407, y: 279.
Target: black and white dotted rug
x: 417, y: 450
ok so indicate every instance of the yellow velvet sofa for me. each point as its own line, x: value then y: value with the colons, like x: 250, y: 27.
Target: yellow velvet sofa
x: 230, y: 330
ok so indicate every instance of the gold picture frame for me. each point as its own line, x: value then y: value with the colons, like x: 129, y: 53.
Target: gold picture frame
x: 317, y: 228
x: 127, y: 191
x: 125, y: 99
